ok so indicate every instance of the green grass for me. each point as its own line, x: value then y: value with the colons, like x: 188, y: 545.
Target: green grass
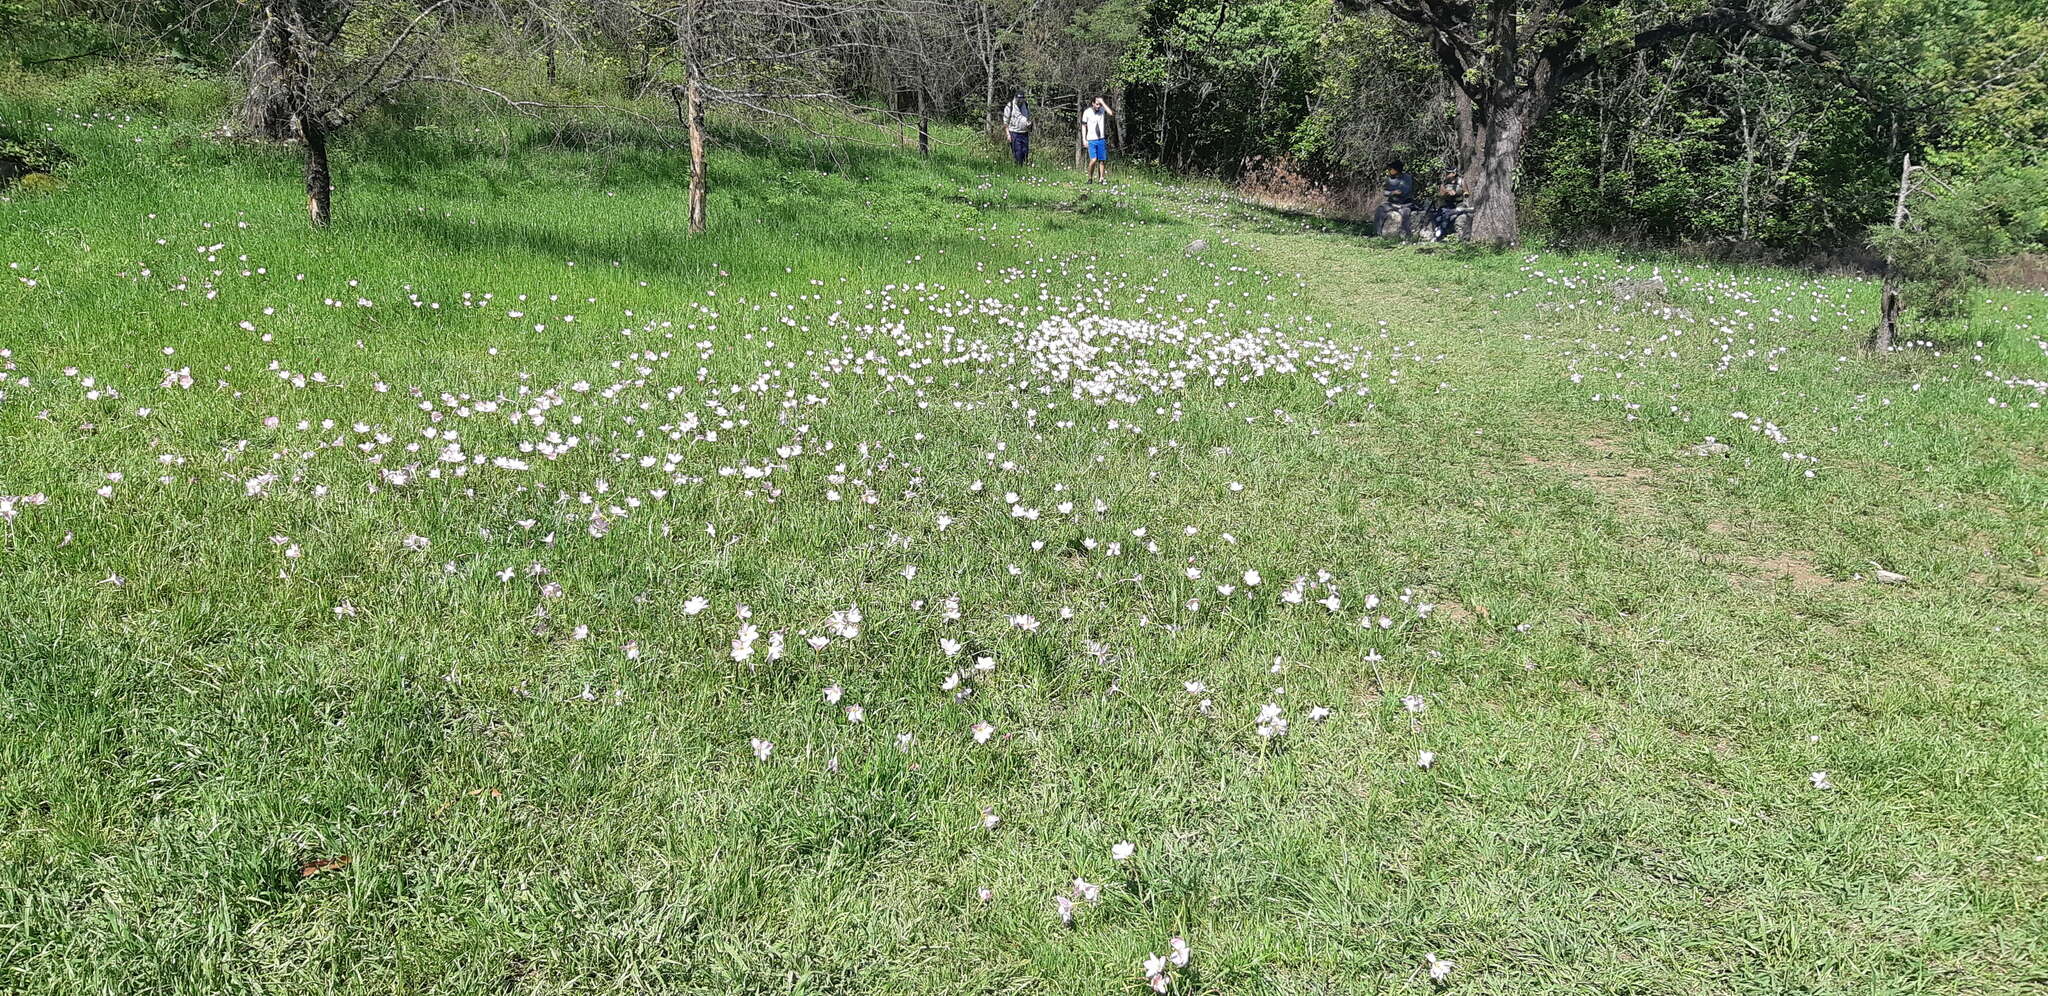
x: 1637, y: 660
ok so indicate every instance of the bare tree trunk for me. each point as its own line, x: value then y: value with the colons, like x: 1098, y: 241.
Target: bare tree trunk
x: 1116, y: 97
x: 1164, y: 112
x: 1080, y: 143
x: 988, y: 68
x: 267, y: 108
x: 924, y: 125
x: 1889, y: 305
x: 694, y: 112
x: 319, y: 182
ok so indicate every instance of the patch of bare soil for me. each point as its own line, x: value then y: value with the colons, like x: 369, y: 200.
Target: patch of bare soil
x: 1603, y: 472
x: 1796, y: 568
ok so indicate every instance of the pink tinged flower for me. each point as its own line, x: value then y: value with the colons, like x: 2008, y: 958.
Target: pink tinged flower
x: 982, y: 731
x: 832, y: 694
x: 1414, y: 703
x: 856, y: 714
x: 985, y: 894
x: 1065, y: 908
x: 1177, y: 952
x: 552, y: 589
x: 762, y: 748
x: 1090, y: 891
x: 1123, y: 851
x: 1425, y: 759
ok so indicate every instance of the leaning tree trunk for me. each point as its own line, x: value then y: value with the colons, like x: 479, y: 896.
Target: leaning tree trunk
x: 694, y: 112
x: 1497, y: 129
x: 266, y: 111
x: 319, y: 182
x: 1889, y: 303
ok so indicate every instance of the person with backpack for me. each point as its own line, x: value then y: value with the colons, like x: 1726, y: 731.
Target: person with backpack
x: 1017, y: 118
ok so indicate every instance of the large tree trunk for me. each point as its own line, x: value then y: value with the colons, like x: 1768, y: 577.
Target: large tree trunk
x: 694, y: 112
x: 1495, y: 131
x: 266, y: 111
x: 319, y: 182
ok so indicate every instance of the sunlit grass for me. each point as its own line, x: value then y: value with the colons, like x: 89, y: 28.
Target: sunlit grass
x: 261, y: 651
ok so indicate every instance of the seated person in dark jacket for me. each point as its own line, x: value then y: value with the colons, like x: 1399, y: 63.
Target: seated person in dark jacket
x: 1397, y: 196
x: 1450, y: 204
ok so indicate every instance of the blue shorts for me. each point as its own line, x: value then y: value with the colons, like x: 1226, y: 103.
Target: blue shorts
x: 1098, y: 149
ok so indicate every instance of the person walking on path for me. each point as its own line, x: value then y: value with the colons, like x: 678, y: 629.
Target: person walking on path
x: 1017, y: 118
x: 1095, y: 132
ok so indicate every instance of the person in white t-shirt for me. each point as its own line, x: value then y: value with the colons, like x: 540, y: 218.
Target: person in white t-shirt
x: 1095, y: 132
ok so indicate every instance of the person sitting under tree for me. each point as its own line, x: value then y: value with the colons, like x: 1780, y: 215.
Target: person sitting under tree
x: 1095, y: 132
x: 1450, y: 205
x: 1397, y: 199
x: 1017, y: 118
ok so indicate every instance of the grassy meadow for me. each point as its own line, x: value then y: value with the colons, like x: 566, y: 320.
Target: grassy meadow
x: 504, y: 592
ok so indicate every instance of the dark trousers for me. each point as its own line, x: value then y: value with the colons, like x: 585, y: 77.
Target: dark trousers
x: 1020, y: 146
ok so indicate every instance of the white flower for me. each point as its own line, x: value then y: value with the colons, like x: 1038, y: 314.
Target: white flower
x: 1425, y: 759
x: 1439, y: 968
x: 903, y: 741
x: 1820, y: 780
x: 1251, y: 579
x: 1177, y: 952
x: 989, y: 819
x: 832, y: 694
x: 762, y: 748
x: 981, y: 732
x: 1413, y: 703
x: 1123, y: 851
x: 1318, y: 714
x: 1090, y: 891
x: 696, y: 604
x: 856, y: 714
